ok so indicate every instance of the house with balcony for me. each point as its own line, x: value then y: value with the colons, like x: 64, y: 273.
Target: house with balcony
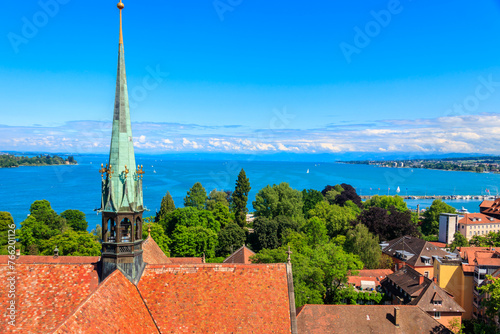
x: 486, y: 263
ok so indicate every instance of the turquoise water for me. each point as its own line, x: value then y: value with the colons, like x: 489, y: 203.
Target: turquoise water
x: 78, y: 187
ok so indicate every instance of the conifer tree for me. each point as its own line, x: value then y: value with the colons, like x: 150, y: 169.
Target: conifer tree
x: 240, y: 198
x: 167, y: 205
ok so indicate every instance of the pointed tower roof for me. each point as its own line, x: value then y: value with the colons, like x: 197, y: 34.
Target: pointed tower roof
x: 122, y: 189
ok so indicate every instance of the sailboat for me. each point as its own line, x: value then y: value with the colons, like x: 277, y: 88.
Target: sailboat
x: 307, y: 171
x: 398, y: 190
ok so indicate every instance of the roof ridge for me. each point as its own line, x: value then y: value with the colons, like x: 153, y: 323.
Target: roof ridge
x: 99, y: 287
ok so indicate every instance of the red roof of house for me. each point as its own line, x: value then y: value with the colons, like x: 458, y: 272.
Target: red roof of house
x: 478, y: 218
x: 469, y: 253
x: 438, y: 244
x: 242, y: 255
x: 486, y: 204
x: 115, y: 307
x: 46, y: 293
x: 374, y: 275
x: 152, y: 253
x: 217, y: 298
x: 349, y: 319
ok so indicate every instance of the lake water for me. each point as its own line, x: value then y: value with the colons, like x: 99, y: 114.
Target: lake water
x: 78, y: 187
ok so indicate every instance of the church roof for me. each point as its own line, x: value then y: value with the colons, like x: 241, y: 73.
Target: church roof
x: 217, y: 298
x: 204, y: 298
x: 241, y: 255
x: 115, y: 307
x: 152, y: 253
x: 46, y: 293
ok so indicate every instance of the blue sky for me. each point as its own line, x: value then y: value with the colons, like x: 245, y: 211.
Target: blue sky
x: 254, y: 76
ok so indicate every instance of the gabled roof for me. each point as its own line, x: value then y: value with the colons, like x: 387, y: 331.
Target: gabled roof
x: 349, y: 319
x: 46, y: 293
x: 468, y: 254
x: 217, y: 298
x: 115, y: 307
x: 242, y: 255
x: 152, y: 253
x: 414, y: 249
x: 490, y: 207
x: 422, y: 290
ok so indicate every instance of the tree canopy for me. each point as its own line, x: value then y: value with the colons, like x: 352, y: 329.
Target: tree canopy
x: 71, y: 243
x: 230, y: 238
x: 75, y: 219
x: 361, y: 242
x: 216, y: 197
x: 278, y: 200
x: 430, y: 224
x: 240, y: 198
x: 167, y: 205
x: 196, y: 197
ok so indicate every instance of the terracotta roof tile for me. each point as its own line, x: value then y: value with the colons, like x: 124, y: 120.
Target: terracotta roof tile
x: 186, y: 260
x: 217, y: 298
x: 242, y: 255
x: 373, y: 275
x: 152, y: 253
x: 46, y: 293
x: 115, y: 307
x: 349, y: 319
x: 34, y: 259
x: 478, y: 218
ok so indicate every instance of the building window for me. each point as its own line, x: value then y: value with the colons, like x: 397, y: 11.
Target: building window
x: 437, y: 315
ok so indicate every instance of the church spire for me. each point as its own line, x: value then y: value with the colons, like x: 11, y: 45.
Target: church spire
x: 121, y: 201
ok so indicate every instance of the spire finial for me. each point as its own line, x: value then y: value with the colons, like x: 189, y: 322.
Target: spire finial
x: 149, y: 231
x: 120, y: 7
x: 289, y: 259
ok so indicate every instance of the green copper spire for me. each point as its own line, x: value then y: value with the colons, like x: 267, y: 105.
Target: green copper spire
x: 122, y: 188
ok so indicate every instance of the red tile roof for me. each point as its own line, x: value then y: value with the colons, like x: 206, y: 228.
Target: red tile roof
x: 486, y: 204
x: 46, y: 293
x: 152, y: 253
x: 373, y: 275
x: 242, y: 255
x: 349, y: 319
x: 469, y: 253
x: 438, y: 244
x: 32, y: 259
x: 115, y: 307
x: 217, y: 298
x: 478, y: 218
x: 186, y: 260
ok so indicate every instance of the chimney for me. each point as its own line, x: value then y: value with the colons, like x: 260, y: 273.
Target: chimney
x: 56, y: 252
x: 420, y: 280
x: 18, y: 253
x: 397, y: 315
x: 435, y: 279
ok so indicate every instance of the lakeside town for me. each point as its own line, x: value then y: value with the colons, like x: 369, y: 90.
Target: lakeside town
x: 486, y: 164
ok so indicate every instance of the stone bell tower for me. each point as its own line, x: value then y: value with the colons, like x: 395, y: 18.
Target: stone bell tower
x: 121, y: 201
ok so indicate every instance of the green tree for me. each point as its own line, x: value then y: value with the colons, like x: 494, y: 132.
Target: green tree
x: 43, y: 213
x: 316, y: 231
x: 230, y: 238
x: 310, y: 197
x: 337, y: 218
x: 97, y: 232
x: 265, y: 235
x: 75, y: 219
x: 492, y: 300
x: 361, y: 242
x: 217, y: 197
x: 71, y: 243
x: 196, y: 197
x: 167, y: 205
x: 158, y: 235
x: 459, y: 241
x: 6, y: 224
x: 221, y: 214
x: 240, y: 198
x: 430, y: 225
x: 193, y: 241
x: 279, y: 200
x: 189, y: 217
x: 385, y: 202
